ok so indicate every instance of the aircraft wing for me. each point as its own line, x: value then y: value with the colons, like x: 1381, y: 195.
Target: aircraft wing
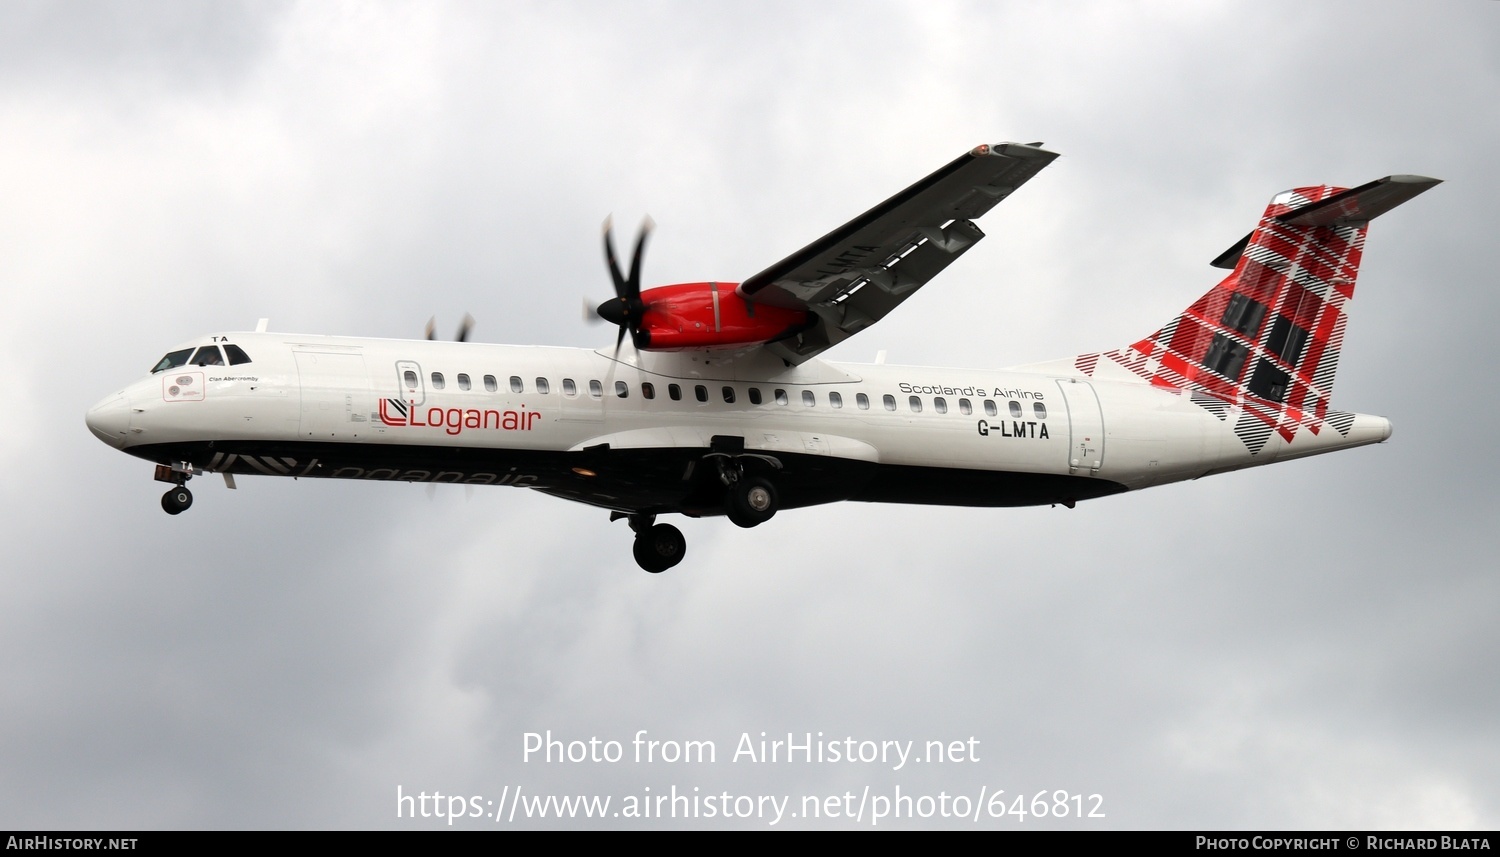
x: 850, y: 278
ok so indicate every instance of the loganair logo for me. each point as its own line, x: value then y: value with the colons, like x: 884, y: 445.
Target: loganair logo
x: 400, y: 413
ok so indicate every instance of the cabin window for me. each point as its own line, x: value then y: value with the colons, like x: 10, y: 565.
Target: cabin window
x: 990, y: 410
x: 622, y: 389
x: 728, y: 395
x: 781, y: 397
x: 172, y: 360
x: 410, y: 378
x: 675, y: 392
x: 965, y: 407
x: 542, y: 386
x: 490, y: 384
x: 208, y: 355
x: 1039, y: 409
x: 596, y: 389
x: 862, y: 400
x: 437, y: 381
x: 463, y: 381
x: 940, y: 405
x: 835, y: 400
x: 236, y: 354
x: 570, y: 389
x: 515, y: 384
x: 915, y: 403
x: 648, y: 390
x: 700, y: 393
x: 1015, y: 408
x: 755, y: 395
x: 889, y: 401
x: 808, y: 399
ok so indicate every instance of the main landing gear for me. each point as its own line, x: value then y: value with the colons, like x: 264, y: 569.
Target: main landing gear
x: 749, y: 500
x: 658, y: 547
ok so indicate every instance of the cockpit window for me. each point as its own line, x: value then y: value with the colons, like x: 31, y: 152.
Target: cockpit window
x: 208, y: 355
x: 172, y: 360
x: 236, y: 354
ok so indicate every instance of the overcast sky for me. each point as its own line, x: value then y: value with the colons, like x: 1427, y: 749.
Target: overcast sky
x: 1306, y: 645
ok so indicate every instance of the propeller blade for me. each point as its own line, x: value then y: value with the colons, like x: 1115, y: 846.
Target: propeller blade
x: 626, y: 308
x: 431, y: 327
x: 464, y: 327
x: 616, y: 277
x: 635, y: 260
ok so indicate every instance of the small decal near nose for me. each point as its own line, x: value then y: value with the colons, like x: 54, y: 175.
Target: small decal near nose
x: 187, y: 387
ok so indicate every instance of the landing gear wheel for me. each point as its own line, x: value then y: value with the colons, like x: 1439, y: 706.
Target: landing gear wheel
x: 751, y: 502
x: 659, y: 548
x: 176, y: 501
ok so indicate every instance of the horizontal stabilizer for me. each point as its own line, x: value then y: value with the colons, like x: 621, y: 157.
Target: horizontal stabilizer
x: 1353, y: 207
x: 1229, y: 258
x: 1359, y: 205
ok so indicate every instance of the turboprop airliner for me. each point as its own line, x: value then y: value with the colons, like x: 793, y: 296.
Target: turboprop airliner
x: 722, y: 403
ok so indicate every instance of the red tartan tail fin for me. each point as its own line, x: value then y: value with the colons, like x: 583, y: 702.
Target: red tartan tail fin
x: 1271, y: 331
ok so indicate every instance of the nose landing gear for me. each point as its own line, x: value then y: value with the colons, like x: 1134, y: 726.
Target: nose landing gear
x: 176, y: 501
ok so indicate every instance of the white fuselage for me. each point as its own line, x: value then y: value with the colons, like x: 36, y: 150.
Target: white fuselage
x: 414, y: 410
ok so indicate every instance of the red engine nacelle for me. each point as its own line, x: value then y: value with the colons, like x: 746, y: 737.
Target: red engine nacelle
x: 711, y: 315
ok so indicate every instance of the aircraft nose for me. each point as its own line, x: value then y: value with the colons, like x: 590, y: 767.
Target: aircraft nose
x: 109, y: 420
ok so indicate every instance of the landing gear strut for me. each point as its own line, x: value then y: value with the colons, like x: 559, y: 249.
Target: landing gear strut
x: 658, y: 547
